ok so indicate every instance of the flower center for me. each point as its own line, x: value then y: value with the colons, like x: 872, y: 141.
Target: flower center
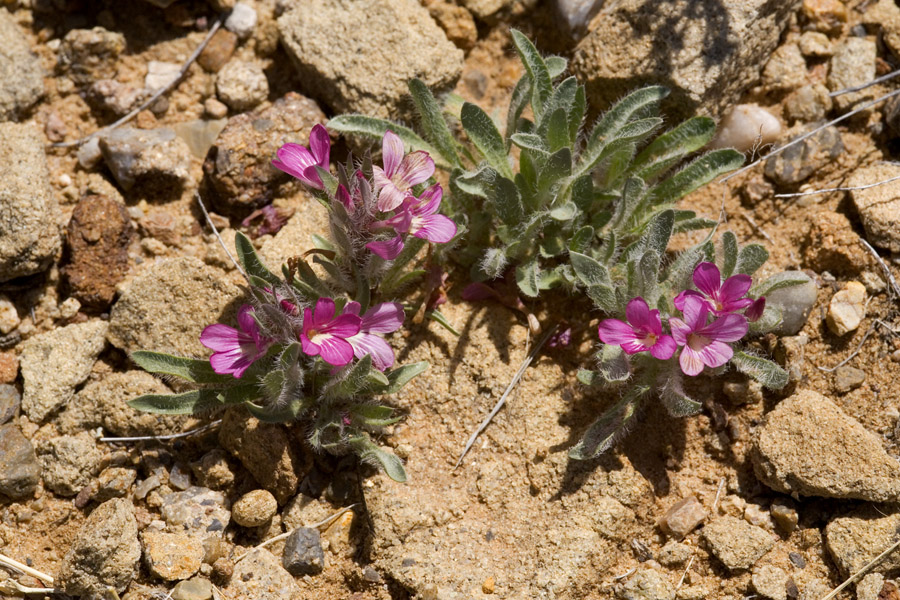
x: 697, y: 342
x: 649, y: 340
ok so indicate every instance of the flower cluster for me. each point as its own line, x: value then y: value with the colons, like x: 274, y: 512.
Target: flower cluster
x: 710, y: 322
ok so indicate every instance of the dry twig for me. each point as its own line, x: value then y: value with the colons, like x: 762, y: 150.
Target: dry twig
x: 23, y: 568
x: 849, y: 358
x: 162, y: 438
x: 838, y: 189
x: 884, y: 268
x: 859, y: 574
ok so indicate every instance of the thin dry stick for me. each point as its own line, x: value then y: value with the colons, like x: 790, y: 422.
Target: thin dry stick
x: 625, y: 574
x: 849, y: 358
x: 219, y: 237
x: 838, y: 189
x: 12, y: 586
x: 863, y: 86
x: 14, y: 564
x: 184, y: 69
x: 162, y: 438
x: 512, y: 384
x: 884, y: 267
x: 757, y: 228
x: 286, y: 534
x: 858, y: 575
x: 684, y: 574
x: 719, y: 489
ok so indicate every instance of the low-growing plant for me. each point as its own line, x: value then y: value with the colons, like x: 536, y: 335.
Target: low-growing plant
x: 309, y: 345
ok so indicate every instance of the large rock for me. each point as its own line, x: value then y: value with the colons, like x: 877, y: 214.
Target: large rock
x: 707, y: 52
x: 105, y: 552
x: 167, y: 306
x: 21, y: 75
x: 357, y: 55
x: 807, y: 446
x: 239, y: 165
x: 737, y: 543
x: 260, y: 576
x: 88, y: 55
x: 855, y: 539
x: 879, y: 206
x: 156, y: 159
x: 29, y: 233
x: 172, y: 556
x: 69, y: 462
x: 54, y: 363
x: 853, y: 64
x: 20, y: 470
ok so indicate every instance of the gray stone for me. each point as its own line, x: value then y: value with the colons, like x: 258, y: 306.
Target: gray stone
x: 683, y: 517
x: 815, y: 44
x: 242, y: 20
x: 260, y: 576
x: 785, y: 515
x: 808, y: 446
x: 808, y: 104
x: 337, y: 46
x: 879, y: 206
x: 88, y: 55
x: 196, y: 588
x: 796, y: 303
x: 20, y: 471
x: 114, y: 482
x: 29, y: 232
x: 213, y: 470
x: 166, y: 307
x: 21, y: 75
x: 172, y: 556
x: 770, y: 582
x: 675, y: 554
x: 54, y: 363
x: 154, y: 158
x: 576, y: 14
x: 303, y: 554
x: 848, y: 378
x: 200, y: 134
x: 242, y: 85
x: 737, y: 543
x: 855, y: 539
x: 801, y: 160
x: 705, y: 51
x: 69, y: 462
x: 104, y: 554
x: 869, y: 587
x: 785, y: 70
x: 198, y: 511
x: 10, y: 400
x: 254, y: 509
x: 853, y: 64
x: 647, y: 584
x: 109, y: 95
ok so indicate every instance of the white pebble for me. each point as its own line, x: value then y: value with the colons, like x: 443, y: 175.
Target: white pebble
x: 242, y: 20
x: 9, y: 317
x: 746, y: 126
x: 160, y: 74
x: 65, y: 180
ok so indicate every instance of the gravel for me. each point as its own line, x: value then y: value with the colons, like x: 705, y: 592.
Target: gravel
x: 260, y: 576
x: 770, y: 582
x: 801, y: 160
x: 647, y: 584
x: 20, y: 471
x: 303, y: 554
x: 254, y: 509
x: 737, y: 543
x: 172, y: 556
x: 197, y: 511
x: 88, y: 55
x: 69, y: 462
x: 242, y: 20
x: 847, y: 309
x: 154, y: 159
x: 242, y: 85
x: 10, y: 401
x: 21, y: 74
x: 684, y: 516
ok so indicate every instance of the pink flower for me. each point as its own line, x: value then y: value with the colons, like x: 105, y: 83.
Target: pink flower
x: 382, y: 318
x: 705, y: 344
x: 417, y: 217
x: 296, y: 160
x: 325, y: 334
x: 387, y: 249
x: 400, y: 173
x: 722, y: 298
x: 235, y: 350
x: 755, y: 310
x: 644, y: 332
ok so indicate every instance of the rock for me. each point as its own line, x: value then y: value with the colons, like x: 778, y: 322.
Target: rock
x: 9, y: 316
x: 29, y: 237
x: 179, y: 477
x: 218, y: 51
x: 104, y: 554
x: 54, y: 363
x: 847, y: 308
x: 239, y: 165
x: 801, y: 160
x: 254, y: 509
x: 339, y: 535
x: 808, y: 446
x: 770, y: 582
x: 827, y: 16
x: 576, y: 14
x: 20, y: 470
x: 97, y: 241
x: 265, y: 450
x: 172, y: 556
x: 674, y: 554
x: 88, y: 55
x: 336, y: 46
x: 89, y: 154
x: 200, y: 134
x: 456, y: 21
x: 785, y: 70
x: 21, y: 75
x: 869, y: 587
x: 815, y: 44
x: 684, y: 516
x: 647, y: 584
x: 784, y: 515
x: 303, y: 554
x: 110, y: 96
x: 69, y: 462
x: 160, y: 74
x: 242, y: 85
x: 669, y: 43
x: 790, y: 352
x: 114, y: 482
x: 853, y: 64
x: 303, y: 510
x: 9, y: 367
x: 832, y: 245
x: 795, y: 302
x: 260, y: 576
x: 167, y: 306
x: 242, y: 20
x: 213, y: 470
x: 756, y: 515
x: 147, y: 157
x: 10, y: 401
x: 737, y: 543
x: 196, y: 588
x: 745, y: 127
x: 808, y: 104
x: 879, y: 206
x: 197, y: 511
x: 215, y: 109
x: 855, y: 539
x: 848, y: 378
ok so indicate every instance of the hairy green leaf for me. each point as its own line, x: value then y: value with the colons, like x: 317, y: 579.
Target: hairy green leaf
x: 372, y: 415
x: 588, y: 270
x: 251, y: 261
x: 433, y: 124
x: 610, y: 427
x: 400, y: 376
x: 697, y: 174
x: 556, y: 66
x: 674, y: 398
x: 729, y: 254
x: 750, y: 259
x: 762, y: 370
x: 369, y: 452
x: 779, y: 281
x: 187, y: 403
x: 483, y: 133
x: 375, y: 128
x: 612, y: 364
x: 191, y: 369
x: 527, y: 275
x: 673, y: 146
x: 541, y: 81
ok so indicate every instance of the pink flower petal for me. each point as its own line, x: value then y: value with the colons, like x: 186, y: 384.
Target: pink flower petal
x: 429, y: 202
x: 320, y: 145
x: 334, y: 350
x: 735, y: 288
x: 680, y: 298
x: 437, y: 229
x: 755, y: 310
x: 352, y: 308
x: 230, y: 363
x: 381, y: 352
x: 324, y: 311
x: 615, y: 332
x: 380, y: 178
x: 690, y: 362
x: 729, y: 328
x: 391, y: 152
x: 383, y: 318
x: 245, y: 319
x: 715, y: 354
x: 695, y: 312
x: 343, y: 196
x: 220, y: 338
x: 680, y: 330
x: 634, y: 346
x: 416, y: 168
x: 343, y: 326
x: 390, y: 197
x: 307, y: 345
x: 387, y: 249
x: 664, y: 348
x: 707, y: 278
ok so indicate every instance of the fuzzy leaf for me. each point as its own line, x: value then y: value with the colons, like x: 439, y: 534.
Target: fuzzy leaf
x: 672, y: 146
x: 583, y: 192
x: 371, y: 415
x: 518, y: 102
x: 352, y: 379
x: 604, y: 296
x: 750, y: 259
x: 527, y: 277
x: 321, y: 243
x: 674, y: 398
x: 556, y: 66
x: 541, y: 85
x: 558, y: 130
x: 587, y: 377
x: 278, y: 414
x: 632, y: 106
x: 532, y: 142
x: 375, y: 128
x: 369, y: 452
x: 441, y: 319
x: 483, y: 133
x: 588, y: 270
x: 507, y: 202
x: 610, y: 427
x: 648, y: 267
x: 557, y: 167
x: 623, y: 142
x: 400, y: 376
x: 581, y: 240
x: 778, y: 281
x: 192, y: 369
x: 694, y: 224
x: 679, y: 274
x: 476, y: 183
x: 187, y: 403
x: 771, y: 318
x: 729, y: 254
x: 695, y: 175
x: 655, y: 237
x: 251, y: 261
x: 433, y: 124
x: 762, y: 370
x: 612, y: 364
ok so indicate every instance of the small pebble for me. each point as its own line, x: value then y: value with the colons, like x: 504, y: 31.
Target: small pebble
x: 683, y: 517
x: 10, y: 400
x: 784, y: 515
x: 196, y: 588
x: 180, y: 477
x: 242, y: 85
x: 254, y: 509
x: 487, y: 586
x: 160, y: 74
x: 797, y: 560
x: 746, y: 126
x: 847, y: 309
x: 9, y: 316
x: 303, y: 554
x: 242, y: 20
x: 847, y: 378
x: 215, y: 108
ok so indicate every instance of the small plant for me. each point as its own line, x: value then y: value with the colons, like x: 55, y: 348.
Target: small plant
x: 310, y: 345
